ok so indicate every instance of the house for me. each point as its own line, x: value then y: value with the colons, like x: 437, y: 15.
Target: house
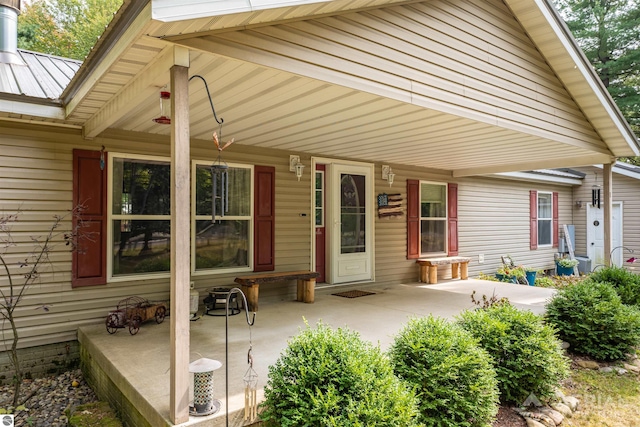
x: 416, y: 104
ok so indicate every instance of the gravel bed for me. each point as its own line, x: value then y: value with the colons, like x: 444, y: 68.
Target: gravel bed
x: 48, y: 398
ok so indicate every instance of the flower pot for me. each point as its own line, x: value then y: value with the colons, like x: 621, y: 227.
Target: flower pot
x: 564, y: 271
x: 531, y: 277
x: 505, y: 278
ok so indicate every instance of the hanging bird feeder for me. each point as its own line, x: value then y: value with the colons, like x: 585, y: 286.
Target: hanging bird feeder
x: 165, y: 101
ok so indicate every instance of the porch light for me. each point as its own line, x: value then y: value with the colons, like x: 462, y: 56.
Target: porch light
x: 387, y: 174
x: 165, y: 100
x: 296, y: 166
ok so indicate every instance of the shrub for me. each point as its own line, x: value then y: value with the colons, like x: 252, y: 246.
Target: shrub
x: 454, y: 377
x: 331, y: 377
x: 527, y: 354
x: 626, y: 283
x: 592, y: 319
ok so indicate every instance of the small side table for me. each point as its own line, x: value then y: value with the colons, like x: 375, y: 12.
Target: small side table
x: 217, y: 300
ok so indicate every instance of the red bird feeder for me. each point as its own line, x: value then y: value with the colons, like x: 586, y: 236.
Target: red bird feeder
x: 164, y: 118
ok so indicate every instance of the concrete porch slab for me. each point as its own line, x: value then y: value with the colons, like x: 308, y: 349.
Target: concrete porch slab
x: 132, y: 371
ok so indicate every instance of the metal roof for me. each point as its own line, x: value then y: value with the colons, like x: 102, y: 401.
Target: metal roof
x: 43, y: 76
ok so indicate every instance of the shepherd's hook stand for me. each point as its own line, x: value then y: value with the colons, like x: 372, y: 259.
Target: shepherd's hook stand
x: 226, y: 340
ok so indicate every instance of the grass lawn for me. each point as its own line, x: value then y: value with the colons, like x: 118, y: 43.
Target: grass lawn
x: 606, y: 399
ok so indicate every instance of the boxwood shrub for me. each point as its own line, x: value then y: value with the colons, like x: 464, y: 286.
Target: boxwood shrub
x: 626, y: 283
x: 527, y: 355
x: 329, y: 377
x: 591, y: 317
x: 454, y: 378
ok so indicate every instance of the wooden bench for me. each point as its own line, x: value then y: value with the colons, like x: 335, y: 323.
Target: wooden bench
x: 251, y: 284
x: 429, y: 268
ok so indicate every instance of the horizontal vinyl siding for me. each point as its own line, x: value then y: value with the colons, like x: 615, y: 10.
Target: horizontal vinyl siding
x: 36, y: 177
x: 468, y: 58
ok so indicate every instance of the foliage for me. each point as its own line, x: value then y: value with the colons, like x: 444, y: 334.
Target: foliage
x: 608, y: 32
x: 527, y: 354
x: 67, y: 28
x: 546, y: 282
x: 592, y: 319
x: 454, y: 378
x: 508, y: 271
x: 331, y: 377
x: 626, y: 283
x: 18, y: 281
x: 567, y: 262
x: 487, y: 302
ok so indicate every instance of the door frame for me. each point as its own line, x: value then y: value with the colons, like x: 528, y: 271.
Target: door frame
x: 616, y: 233
x: 330, y: 257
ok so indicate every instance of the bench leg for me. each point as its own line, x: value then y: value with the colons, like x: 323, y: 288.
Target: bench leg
x: 424, y: 270
x: 455, y: 269
x: 251, y: 292
x: 309, y: 291
x: 464, y: 270
x: 433, y: 274
x: 300, y: 290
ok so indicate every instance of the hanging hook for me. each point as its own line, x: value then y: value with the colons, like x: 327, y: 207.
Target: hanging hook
x: 206, y: 86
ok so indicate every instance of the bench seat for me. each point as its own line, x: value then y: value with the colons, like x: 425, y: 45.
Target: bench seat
x: 429, y: 268
x: 251, y: 284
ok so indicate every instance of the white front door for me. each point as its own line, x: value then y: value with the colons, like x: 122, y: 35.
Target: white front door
x: 351, y: 221
x: 595, y: 234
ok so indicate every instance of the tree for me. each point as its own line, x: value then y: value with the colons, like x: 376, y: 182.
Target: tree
x: 608, y: 31
x: 67, y: 28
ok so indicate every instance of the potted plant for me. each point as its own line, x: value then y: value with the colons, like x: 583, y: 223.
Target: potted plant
x: 510, y: 274
x: 531, y: 274
x: 565, y: 266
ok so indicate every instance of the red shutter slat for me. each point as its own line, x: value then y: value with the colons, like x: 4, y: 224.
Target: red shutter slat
x: 533, y: 219
x: 264, y: 218
x: 555, y: 219
x: 413, y: 219
x: 89, y: 259
x: 452, y: 205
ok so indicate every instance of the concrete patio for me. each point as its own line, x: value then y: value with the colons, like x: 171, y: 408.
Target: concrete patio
x: 132, y: 372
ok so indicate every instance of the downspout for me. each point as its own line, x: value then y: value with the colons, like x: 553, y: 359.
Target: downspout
x: 9, y: 11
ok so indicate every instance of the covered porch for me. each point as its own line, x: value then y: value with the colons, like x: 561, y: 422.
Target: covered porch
x: 133, y: 371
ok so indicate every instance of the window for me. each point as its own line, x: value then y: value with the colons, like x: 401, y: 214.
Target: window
x: 545, y: 218
x: 140, y: 216
x: 433, y: 218
x: 223, y: 241
x: 319, y: 194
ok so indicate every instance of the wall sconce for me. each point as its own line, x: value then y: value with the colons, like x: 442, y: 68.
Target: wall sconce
x: 296, y: 166
x: 387, y: 174
x: 164, y: 118
x: 579, y: 203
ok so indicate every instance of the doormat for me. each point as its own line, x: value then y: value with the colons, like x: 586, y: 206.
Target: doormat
x: 353, y: 294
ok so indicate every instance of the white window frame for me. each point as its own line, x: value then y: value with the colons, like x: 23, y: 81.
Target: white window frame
x: 315, y: 194
x: 194, y: 218
x: 550, y: 219
x: 445, y: 218
x: 112, y: 217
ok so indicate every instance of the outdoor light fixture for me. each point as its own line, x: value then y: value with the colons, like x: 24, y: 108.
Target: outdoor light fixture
x: 579, y: 203
x: 296, y: 166
x: 165, y: 100
x: 387, y: 174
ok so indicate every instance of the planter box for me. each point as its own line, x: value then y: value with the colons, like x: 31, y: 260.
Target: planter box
x: 564, y: 271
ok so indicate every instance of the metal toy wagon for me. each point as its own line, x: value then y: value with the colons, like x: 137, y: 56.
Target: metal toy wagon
x: 132, y: 312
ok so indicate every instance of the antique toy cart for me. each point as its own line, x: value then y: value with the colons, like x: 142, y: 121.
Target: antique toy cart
x: 132, y: 312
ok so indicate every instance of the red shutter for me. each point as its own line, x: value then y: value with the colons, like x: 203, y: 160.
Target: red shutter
x: 555, y: 220
x: 452, y: 205
x: 264, y: 218
x: 533, y: 219
x: 89, y: 260
x: 413, y: 219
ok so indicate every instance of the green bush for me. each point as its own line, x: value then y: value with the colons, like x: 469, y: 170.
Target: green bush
x: 527, y: 354
x: 332, y: 378
x: 626, y: 283
x: 591, y: 317
x: 454, y: 377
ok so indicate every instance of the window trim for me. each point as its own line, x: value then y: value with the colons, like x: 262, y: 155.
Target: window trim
x: 322, y: 191
x: 445, y: 219
x: 110, y: 218
x: 194, y: 218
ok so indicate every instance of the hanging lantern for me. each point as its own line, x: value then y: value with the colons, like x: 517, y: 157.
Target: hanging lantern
x: 165, y: 101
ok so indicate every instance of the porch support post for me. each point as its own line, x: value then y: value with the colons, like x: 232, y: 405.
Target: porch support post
x: 180, y: 245
x: 607, y: 182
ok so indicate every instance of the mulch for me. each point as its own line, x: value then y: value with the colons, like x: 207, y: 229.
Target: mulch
x: 508, y: 417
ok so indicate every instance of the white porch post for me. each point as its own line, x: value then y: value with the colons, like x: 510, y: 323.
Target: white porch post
x: 180, y: 244
x: 607, y: 182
